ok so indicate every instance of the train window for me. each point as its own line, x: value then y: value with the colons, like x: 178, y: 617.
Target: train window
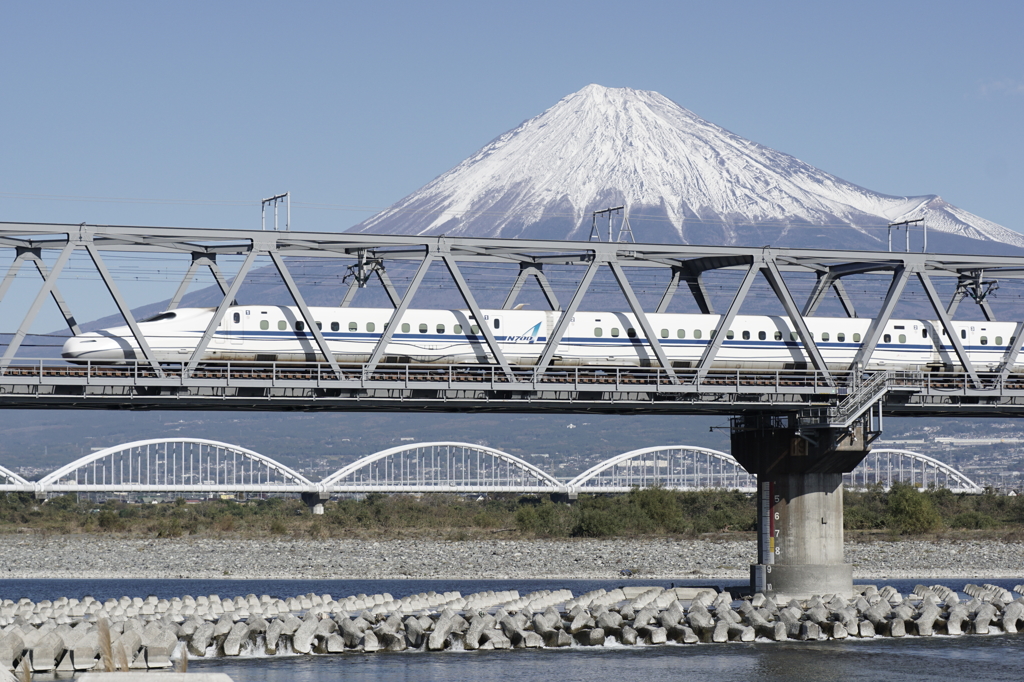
x: 761, y: 336
x: 903, y: 338
x: 746, y: 335
x: 320, y: 326
x: 457, y: 329
x: 440, y: 329
x: 824, y: 336
x: 335, y: 326
x: 887, y: 338
x: 237, y: 317
x: 999, y: 340
x: 405, y: 327
x: 924, y: 332
x: 474, y: 329
x: 984, y: 340
x: 696, y: 333
x: 497, y: 323
x: 963, y: 333
x: 264, y: 324
x: 282, y: 325
x: 299, y: 325
x: 615, y: 331
x: 778, y: 336
x: 353, y: 326
x: 856, y: 338
x: 664, y: 333
x: 729, y: 334
x: 423, y: 328
x: 370, y: 327
x: 793, y: 336
x: 597, y: 331
x: 841, y: 337
x: 631, y: 333
x: 681, y: 333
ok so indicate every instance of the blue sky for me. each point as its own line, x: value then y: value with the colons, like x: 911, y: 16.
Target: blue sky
x: 204, y: 108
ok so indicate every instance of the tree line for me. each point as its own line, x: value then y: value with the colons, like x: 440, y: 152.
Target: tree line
x: 900, y: 511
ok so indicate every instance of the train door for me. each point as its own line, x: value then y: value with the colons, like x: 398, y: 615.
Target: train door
x: 234, y: 327
x: 497, y: 324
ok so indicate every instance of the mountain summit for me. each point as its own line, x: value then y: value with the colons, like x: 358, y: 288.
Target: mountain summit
x: 681, y: 179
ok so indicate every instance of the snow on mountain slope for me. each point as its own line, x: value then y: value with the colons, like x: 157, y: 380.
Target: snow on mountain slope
x: 682, y: 179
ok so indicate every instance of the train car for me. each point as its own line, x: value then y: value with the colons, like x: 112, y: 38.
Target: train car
x: 277, y: 333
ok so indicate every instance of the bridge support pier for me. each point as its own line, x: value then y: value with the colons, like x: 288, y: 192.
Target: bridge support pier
x: 315, y: 501
x: 799, y: 502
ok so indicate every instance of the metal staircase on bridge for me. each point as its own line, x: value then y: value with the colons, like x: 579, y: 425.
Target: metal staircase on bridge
x: 861, y: 397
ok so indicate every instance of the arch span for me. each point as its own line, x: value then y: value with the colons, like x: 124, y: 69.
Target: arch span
x: 677, y: 467
x: 886, y: 466
x: 12, y: 482
x: 441, y: 467
x: 175, y: 465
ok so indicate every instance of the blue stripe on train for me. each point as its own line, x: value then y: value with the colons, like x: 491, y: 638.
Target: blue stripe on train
x: 592, y: 342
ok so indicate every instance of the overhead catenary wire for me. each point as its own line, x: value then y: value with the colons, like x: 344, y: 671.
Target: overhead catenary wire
x: 411, y: 211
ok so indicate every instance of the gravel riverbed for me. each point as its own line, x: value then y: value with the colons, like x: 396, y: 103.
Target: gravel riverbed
x: 37, y: 556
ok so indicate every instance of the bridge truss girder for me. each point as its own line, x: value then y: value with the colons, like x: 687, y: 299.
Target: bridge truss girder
x: 510, y: 387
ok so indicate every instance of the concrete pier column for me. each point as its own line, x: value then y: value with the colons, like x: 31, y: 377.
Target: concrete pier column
x: 802, y: 552
x: 800, y: 503
x: 315, y: 501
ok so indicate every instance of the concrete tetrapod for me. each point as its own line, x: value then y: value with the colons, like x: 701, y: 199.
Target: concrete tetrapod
x: 12, y: 646
x: 158, y: 643
x: 47, y: 637
x: 236, y: 638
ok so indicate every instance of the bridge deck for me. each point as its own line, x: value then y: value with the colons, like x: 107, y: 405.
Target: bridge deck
x: 283, y: 386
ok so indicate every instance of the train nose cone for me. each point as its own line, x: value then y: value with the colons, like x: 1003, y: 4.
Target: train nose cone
x: 72, y: 348
x: 91, y: 347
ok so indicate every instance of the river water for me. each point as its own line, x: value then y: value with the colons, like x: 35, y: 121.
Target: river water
x: 993, y: 657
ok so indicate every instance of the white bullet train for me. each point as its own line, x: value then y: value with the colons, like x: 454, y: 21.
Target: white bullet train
x: 277, y: 333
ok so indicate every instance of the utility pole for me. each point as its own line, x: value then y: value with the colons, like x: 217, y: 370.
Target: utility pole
x: 625, y: 231
x: 905, y: 224
x: 275, y: 200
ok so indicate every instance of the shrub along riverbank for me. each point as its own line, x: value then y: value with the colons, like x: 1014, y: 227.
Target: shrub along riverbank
x: 902, y: 511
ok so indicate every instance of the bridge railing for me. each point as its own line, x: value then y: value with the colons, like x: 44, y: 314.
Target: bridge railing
x: 407, y: 375
x: 52, y: 370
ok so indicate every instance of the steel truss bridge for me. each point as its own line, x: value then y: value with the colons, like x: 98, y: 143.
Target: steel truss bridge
x: 824, y: 397
x: 192, y: 466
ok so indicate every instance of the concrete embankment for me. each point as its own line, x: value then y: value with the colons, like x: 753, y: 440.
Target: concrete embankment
x: 69, y: 635
x: 92, y: 556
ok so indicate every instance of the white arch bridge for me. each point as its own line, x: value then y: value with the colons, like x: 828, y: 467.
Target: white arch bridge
x: 194, y: 466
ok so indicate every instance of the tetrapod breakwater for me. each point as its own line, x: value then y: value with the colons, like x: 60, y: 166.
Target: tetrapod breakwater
x: 68, y: 635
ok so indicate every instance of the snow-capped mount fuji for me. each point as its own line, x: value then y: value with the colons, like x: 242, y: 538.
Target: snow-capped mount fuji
x: 681, y: 178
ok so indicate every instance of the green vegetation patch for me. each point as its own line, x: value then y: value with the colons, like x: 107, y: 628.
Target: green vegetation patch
x: 901, y: 511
